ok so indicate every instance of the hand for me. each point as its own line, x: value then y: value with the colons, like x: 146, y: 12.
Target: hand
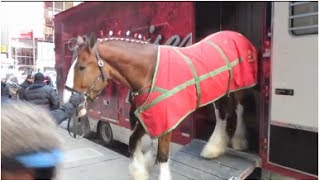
x: 76, y: 99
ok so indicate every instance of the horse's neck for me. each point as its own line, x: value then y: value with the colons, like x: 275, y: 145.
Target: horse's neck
x: 134, y: 62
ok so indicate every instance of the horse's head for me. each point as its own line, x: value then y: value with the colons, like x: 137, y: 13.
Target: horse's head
x: 88, y: 73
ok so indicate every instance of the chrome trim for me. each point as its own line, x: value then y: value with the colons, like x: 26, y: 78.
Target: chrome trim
x: 294, y: 126
x: 109, y: 119
x: 292, y: 169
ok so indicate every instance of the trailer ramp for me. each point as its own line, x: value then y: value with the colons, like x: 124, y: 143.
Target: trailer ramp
x: 232, y: 166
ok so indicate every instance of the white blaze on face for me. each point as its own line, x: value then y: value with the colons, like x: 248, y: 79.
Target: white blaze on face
x: 70, y: 78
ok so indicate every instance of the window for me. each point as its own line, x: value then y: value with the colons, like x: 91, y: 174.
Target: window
x: 303, y: 18
x: 58, y: 6
x: 48, y: 4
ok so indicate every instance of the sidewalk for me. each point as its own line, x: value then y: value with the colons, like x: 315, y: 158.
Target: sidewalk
x: 84, y: 160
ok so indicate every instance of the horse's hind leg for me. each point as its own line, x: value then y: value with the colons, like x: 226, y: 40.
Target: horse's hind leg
x: 239, y: 140
x: 137, y: 168
x: 219, y: 139
x: 163, y: 156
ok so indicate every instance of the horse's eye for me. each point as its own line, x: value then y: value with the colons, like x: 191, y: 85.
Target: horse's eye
x: 82, y: 68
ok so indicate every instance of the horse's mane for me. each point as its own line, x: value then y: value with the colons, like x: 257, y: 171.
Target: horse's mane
x: 136, y: 38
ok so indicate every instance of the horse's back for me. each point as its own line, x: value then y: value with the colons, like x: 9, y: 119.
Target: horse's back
x: 214, y: 55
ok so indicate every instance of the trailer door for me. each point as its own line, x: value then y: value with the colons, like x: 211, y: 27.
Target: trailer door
x: 293, y: 127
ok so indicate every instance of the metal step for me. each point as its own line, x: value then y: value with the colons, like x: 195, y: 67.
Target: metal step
x: 233, y: 165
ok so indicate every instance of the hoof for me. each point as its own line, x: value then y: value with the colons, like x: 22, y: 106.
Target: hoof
x: 165, y: 173
x: 210, y: 152
x: 138, y: 171
x: 239, y: 143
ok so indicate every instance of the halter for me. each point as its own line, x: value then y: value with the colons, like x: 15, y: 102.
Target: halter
x: 102, y: 76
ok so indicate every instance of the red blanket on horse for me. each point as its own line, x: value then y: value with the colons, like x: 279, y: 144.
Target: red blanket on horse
x: 194, y: 76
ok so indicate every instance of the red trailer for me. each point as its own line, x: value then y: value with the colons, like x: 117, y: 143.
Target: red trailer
x: 182, y: 24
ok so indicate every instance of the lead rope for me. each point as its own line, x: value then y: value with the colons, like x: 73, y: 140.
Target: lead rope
x: 81, y: 106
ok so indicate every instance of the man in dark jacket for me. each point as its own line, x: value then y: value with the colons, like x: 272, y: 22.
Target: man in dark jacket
x: 23, y: 86
x: 40, y: 93
x: 64, y: 112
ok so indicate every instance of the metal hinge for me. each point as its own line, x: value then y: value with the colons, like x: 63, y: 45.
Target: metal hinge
x: 265, y: 143
x: 269, y: 34
x: 266, y: 54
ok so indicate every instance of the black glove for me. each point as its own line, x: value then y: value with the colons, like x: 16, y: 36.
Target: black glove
x: 76, y: 99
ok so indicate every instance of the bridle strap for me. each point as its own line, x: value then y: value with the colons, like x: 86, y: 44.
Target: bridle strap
x: 100, y: 63
x: 102, y: 76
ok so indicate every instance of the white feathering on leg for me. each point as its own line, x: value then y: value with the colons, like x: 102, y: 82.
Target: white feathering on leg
x: 149, y: 160
x: 219, y: 139
x: 239, y: 141
x: 137, y: 167
x: 165, y: 173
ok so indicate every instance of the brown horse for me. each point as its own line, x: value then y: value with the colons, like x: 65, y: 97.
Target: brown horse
x: 133, y: 63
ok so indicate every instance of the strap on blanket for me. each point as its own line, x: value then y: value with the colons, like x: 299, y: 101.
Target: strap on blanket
x: 225, y: 58
x: 196, y: 77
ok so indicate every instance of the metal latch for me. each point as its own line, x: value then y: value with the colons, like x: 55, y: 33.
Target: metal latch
x: 106, y: 102
x: 266, y: 54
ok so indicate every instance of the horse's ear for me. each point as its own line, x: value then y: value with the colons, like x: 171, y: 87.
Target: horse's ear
x: 79, y: 40
x: 92, y: 40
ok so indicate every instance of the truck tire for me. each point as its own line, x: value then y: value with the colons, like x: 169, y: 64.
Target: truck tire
x: 85, y: 124
x: 105, y: 132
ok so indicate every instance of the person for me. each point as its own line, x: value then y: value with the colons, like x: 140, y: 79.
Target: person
x: 48, y: 81
x: 64, y: 112
x: 40, y: 93
x: 67, y: 110
x: 12, y: 87
x: 3, y: 90
x: 31, y: 147
x: 23, y: 86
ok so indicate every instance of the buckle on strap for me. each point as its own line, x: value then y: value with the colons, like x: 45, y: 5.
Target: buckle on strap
x: 100, y: 63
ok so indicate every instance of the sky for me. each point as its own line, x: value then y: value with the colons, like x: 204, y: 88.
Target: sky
x: 23, y: 16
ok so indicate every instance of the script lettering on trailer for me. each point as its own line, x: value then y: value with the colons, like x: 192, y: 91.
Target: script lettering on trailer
x: 174, y: 40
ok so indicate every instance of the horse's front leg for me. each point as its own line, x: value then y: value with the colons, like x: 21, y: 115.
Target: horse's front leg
x: 163, y: 156
x: 219, y: 139
x: 137, y: 166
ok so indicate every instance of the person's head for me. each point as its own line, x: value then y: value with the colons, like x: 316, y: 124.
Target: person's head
x: 30, y: 143
x: 39, y: 78
x: 47, y: 80
x: 29, y: 78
